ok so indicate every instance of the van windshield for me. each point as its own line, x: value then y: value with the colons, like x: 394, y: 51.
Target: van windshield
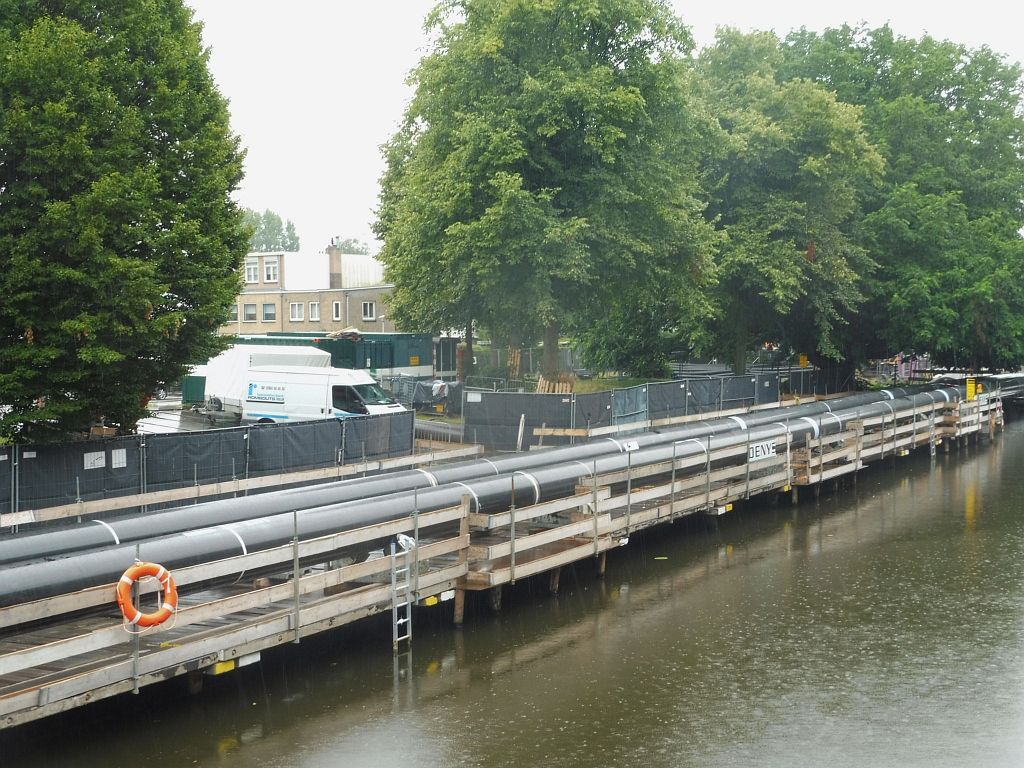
x: 372, y: 394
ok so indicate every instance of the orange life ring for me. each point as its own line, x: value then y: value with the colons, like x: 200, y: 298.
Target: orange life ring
x: 124, y: 595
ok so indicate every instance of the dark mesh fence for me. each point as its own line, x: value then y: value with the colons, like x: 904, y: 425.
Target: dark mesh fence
x: 52, y: 474
x: 33, y: 477
x: 6, y: 477
x: 629, y: 405
x: 492, y: 418
x: 193, y: 458
x: 594, y: 410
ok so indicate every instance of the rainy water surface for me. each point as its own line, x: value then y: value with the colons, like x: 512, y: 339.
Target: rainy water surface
x: 883, y: 625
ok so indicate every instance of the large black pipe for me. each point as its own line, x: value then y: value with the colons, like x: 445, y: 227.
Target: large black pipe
x: 32, y: 581
x: 102, y: 532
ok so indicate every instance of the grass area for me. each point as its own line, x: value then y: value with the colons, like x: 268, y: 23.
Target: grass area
x: 604, y: 383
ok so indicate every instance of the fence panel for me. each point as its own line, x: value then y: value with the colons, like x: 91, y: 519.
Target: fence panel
x: 594, y: 410
x: 37, y: 476
x: 705, y: 395
x: 629, y: 405
x: 62, y: 473
x: 493, y: 418
x: 667, y: 399
x: 6, y: 479
x: 174, y: 460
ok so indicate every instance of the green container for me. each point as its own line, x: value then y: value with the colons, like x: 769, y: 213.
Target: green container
x: 193, y: 390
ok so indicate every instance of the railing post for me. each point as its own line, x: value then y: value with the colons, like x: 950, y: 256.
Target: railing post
x: 512, y: 532
x: 295, y: 572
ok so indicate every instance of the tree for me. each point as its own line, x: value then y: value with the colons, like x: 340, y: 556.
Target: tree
x: 270, y: 232
x: 546, y: 166
x: 945, y: 226
x: 350, y: 245
x: 119, y: 239
x: 788, y: 182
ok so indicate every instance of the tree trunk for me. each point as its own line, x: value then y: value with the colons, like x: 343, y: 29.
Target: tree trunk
x: 550, y: 366
x: 739, y: 354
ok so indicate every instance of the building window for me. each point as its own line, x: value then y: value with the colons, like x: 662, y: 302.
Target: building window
x: 270, y: 269
x: 269, y: 312
x: 369, y: 310
x: 233, y: 314
x: 252, y: 271
x: 249, y: 313
x: 336, y: 306
x: 314, y: 311
x: 295, y: 310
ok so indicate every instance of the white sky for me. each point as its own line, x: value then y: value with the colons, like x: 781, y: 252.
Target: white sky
x: 317, y: 86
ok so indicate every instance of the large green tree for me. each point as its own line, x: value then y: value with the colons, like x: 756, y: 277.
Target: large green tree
x: 787, y: 184
x: 119, y: 241
x: 270, y: 232
x: 546, y: 168
x: 945, y: 226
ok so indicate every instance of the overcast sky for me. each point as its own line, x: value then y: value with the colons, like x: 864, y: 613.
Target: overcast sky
x: 316, y: 86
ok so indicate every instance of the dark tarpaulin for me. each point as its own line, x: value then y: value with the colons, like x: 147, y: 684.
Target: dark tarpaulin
x: 63, y: 473
x: 767, y: 388
x: 667, y: 399
x: 493, y: 418
x: 6, y: 475
x: 738, y: 392
x: 178, y: 459
x: 629, y: 405
x: 594, y: 410
x: 705, y: 395
x: 311, y: 445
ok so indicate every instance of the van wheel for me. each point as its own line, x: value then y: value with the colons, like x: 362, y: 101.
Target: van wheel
x: 265, y: 421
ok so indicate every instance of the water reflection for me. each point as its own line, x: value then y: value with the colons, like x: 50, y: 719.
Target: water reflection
x: 879, y: 626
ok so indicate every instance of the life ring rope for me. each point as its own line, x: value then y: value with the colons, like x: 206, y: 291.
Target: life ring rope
x: 133, y: 617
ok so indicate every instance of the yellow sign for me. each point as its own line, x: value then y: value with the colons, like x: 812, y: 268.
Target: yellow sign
x: 972, y: 391
x: 804, y: 362
x: 414, y: 359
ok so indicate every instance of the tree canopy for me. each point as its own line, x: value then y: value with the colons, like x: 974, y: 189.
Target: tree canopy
x: 569, y: 164
x: 119, y: 239
x: 350, y: 245
x: 270, y: 232
x: 944, y: 228
x: 789, y: 175
x: 546, y: 166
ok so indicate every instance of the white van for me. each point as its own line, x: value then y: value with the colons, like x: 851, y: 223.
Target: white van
x: 303, y: 393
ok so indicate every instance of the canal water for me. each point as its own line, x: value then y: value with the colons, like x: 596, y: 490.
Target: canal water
x: 880, y: 626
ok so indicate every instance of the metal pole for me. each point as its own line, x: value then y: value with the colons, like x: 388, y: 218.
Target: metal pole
x: 707, y: 470
x: 142, y: 468
x: 672, y: 497
x: 595, y: 509
x: 416, y: 539
x: 629, y: 488
x: 136, y: 645
x: 15, y: 484
x: 295, y: 571
x: 512, y: 529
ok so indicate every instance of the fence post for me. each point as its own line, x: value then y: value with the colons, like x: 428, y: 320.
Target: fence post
x: 245, y: 437
x: 572, y: 419
x: 142, y: 468
x: 15, y: 479
x: 295, y: 573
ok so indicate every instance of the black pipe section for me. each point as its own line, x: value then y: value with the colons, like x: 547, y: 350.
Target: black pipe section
x: 35, y: 580
x: 99, y: 532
